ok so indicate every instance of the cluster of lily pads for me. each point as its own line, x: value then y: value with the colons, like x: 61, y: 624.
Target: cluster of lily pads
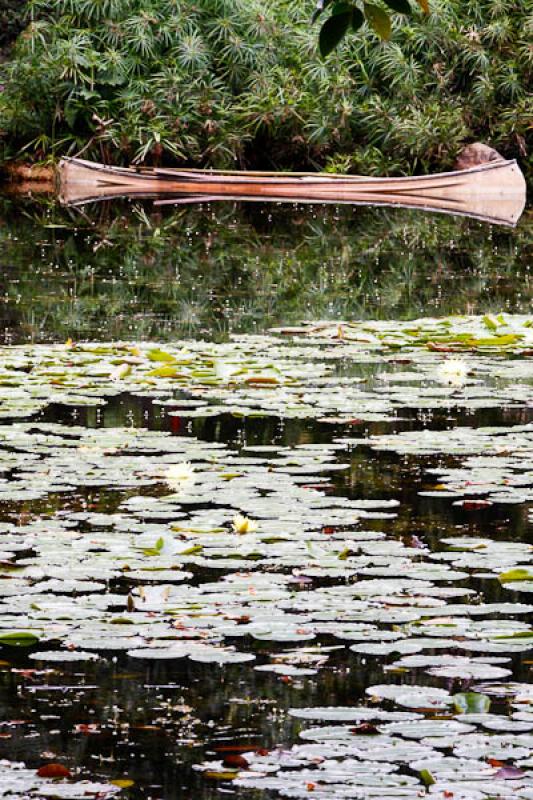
x: 496, y: 462
x: 322, y: 372
x: 17, y: 781
x: 491, y: 333
x: 251, y: 556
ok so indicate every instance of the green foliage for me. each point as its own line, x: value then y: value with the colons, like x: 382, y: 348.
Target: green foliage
x: 350, y: 15
x: 224, y: 83
x: 12, y: 21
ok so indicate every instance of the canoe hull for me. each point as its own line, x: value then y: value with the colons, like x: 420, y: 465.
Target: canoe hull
x: 494, y: 192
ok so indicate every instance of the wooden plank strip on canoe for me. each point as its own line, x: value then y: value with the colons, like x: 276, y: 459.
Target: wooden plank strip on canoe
x: 494, y: 191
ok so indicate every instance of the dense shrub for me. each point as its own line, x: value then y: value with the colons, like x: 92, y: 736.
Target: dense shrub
x: 12, y: 21
x: 225, y: 81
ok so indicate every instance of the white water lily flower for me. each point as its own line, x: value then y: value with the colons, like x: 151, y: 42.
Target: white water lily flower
x: 453, y: 371
x: 242, y: 524
x: 179, y: 474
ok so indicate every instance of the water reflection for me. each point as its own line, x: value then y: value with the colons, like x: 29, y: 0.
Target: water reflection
x: 130, y: 271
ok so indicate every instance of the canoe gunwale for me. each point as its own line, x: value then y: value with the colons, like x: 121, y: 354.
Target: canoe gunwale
x: 494, y: 192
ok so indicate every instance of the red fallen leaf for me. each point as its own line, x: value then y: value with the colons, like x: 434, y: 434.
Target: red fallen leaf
x: 26, y: 673
x: 235, y: 761
x: 328, y: 529
x: 446, y: 793
x: 472, y: 505
x: 495, y: 763
x: 233, y: 748
x: 286, y: 679
x: 262, y: 751
x: 365, y: 729
x: 87, y: 728
x: 310, y: 787
x: 54, y: 771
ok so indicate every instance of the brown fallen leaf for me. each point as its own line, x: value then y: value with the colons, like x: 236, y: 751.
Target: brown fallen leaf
x: 235, y: 760
x: 364, y: 729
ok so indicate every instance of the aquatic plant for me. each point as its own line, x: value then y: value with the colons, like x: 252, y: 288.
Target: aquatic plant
x: 219, y: 83
x: 242, y: 524
x: 453, y: 371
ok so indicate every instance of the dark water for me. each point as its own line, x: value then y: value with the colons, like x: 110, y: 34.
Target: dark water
x: 125, y: 271
x: 128, y: 272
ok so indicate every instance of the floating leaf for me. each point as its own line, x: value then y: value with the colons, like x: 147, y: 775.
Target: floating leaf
x: 471, y: 703
x: 159, y: 355
x: 19, y: 639
x: 54, y: 771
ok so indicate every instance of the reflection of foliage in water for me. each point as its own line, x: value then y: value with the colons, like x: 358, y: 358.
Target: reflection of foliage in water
x: 133, y: 272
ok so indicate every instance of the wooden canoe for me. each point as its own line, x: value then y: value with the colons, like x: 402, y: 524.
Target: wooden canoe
x: 494, y: 192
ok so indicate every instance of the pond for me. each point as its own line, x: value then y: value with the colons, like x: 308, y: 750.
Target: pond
x: 266, y: 496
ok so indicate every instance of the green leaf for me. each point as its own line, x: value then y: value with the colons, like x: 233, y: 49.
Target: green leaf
x: 518, y: 574
x: 165, y: 372
x: 333, y: 31
x: 401, y: 6
x: 160, y: 543
x: 159, y: 355
x: 379, y: 20
x: 341, y: 8
x: 426, y: 777
x: 358, y: 19
x: 19, y: 639
x: 491, y: 322
x: 191, y: 551
x: 471, y: 703
x: 498, y: 341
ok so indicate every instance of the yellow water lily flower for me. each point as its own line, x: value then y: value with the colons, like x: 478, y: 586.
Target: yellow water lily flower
x: 242, y: 524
